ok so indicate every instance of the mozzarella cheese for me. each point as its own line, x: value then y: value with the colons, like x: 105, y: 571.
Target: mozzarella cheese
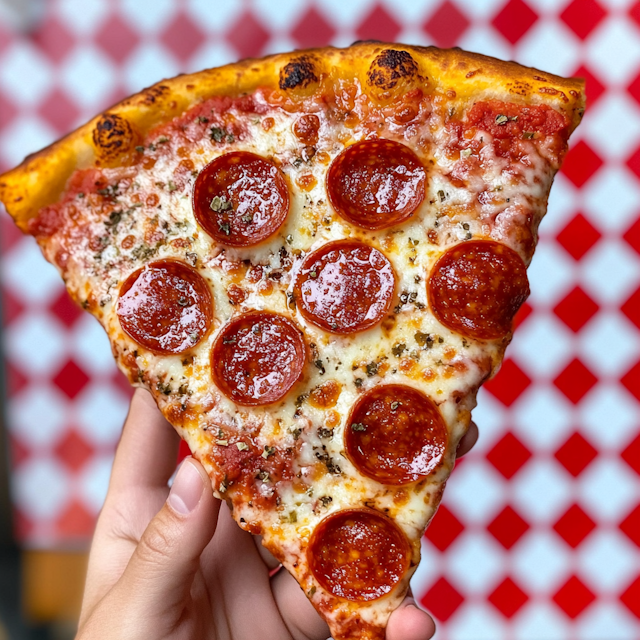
x: 154, y: 220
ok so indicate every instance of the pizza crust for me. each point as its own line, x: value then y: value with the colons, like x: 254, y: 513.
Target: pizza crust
x: 106, y: 140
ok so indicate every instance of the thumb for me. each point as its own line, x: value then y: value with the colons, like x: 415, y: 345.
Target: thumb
x: 162, y: 568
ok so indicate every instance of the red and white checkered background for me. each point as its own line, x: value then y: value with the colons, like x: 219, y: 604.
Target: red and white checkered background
x: 538, y: 537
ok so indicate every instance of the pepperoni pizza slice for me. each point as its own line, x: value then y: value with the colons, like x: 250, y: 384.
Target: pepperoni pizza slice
x: 312, y: 261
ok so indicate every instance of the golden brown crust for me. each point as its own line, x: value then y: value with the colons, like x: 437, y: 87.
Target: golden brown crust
x: 384, y: 70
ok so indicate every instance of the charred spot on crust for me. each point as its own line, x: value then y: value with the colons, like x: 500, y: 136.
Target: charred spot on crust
x: 520, y: 88
x: 154, y: 93
x: 298, y: 74
x: 389, y: 67
x: 112, y: 136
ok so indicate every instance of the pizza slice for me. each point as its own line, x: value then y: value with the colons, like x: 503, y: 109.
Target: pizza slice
x: 312, y: 261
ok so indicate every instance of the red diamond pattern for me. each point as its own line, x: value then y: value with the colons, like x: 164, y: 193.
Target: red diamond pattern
x: 634, y: 12
x: 594, y: 88
x: 10, y: 235
x: 19, y: 452
x: 6, y: 37
x: 634, y: 88
x: 578, y: 237
x: 583, y: 16
x: 379, y: 25
x: 630, y: 526
x: 446, y: 25
x: 574, y: 526
x: 75, y: 521
x: 248, y: 36
x: 117, y: 39
x: 576, y: 454
x: 23, y: 526
x: 71, y: 379
x: 73, y: 450
x: 8, y: 111
x: 183, y: 37
x: 60, y: 111
x: 508, y: 455
x: 573, y: 597
x: 15, y: 379
x: 508, y: 527
x: 634, y: 162
x: 313, y: 29
x: 632, y: 236
x: 508, y: 598
x: 576, y: 309
x: 631, y: 454
x: 12, y: 308
x: 631, y: 308
x: 442, y: 599
x: 514, y: 20
x: 509, y: 384
x: 54, y: 39
x: 65, y: 309
x: 630, y: 598
x: 523, y: 313
x: 581, y: 164
x: 444, y: 529
x: 631, y: 381
x: 575, y: 381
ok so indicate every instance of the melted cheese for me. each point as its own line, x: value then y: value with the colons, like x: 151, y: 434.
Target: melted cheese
x: 449, y: 368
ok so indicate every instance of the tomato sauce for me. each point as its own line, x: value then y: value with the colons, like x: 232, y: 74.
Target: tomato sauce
x: 510, y: 124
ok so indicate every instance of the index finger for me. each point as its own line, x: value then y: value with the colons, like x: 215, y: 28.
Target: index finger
x: 148, y: 449
x: 145, y: 459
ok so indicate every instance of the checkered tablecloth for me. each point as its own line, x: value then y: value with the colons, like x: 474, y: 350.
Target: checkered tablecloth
x: 538, y: 537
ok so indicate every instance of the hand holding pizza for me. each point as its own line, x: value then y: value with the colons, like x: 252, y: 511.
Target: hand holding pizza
x: 173, y: 564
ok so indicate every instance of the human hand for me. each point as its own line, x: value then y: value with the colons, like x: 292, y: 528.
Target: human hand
x: 172, y: 564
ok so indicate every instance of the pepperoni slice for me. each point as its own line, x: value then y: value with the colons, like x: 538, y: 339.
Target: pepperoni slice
x: 344, y: 287
x: 375, y: 184
x: 257, y: 358
x: 240, y: 199
x: 165, y: 307
x: 358, y: 554
x: 477, y: 287
x: 395, y: 435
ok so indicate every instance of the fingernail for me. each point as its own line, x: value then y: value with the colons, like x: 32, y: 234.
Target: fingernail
x: 186, y: 489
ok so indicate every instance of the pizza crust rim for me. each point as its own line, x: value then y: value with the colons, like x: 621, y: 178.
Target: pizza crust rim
x: 41, y: 178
